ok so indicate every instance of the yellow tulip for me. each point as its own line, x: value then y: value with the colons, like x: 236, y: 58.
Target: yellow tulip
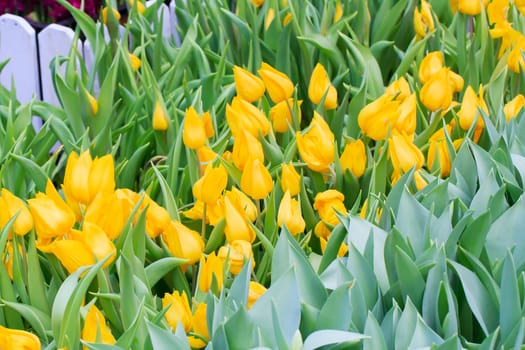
x: 438, y: 151
x: 515, y: 60
x: 289, y: 215
x: 406, y: 120
x: 403, y: 153
x: 513, y: 108
x: 328, y: 203
x: 321, y: 230
x: 497, y: 11
x: 237, y: 252
x: 109, y: 212
x: 278, y: 85
x: 420, y: 182
x: 183, y: 242
x: 242, y: 115
x: 51, y: 215
x: 208, y: 124
x: 255, y: 291
x: 211, y: 268
x: 134, y: 61
x: 140, y: 6
x: 430, y: 65
x: 256, y: 180
x: 470, y: 7
x: 7, y: 258
x: 249, y: 87
x: 243, y: 203
x: 206, y: 156
x: 93, y: 103
x: 290, y: 179
x: 399, y: 90
x: 343, y: 249
x: 95, y: 329
x: 10, y: 205
x: 520, y: 5
x: 116, y: 14
x: 338, y: 11
x: 287, y: 19
x: 469, y: 109
x: 438, y: 91
x: 423, y: 21
x: 319, y: 86
x: 194, y: 133
x: 14, y: 339
x: 157, y: 217
x: 378, y: 117
x: 316, y: 146
x: 200, y: 327
x: 237, y: 226
x: 281, y: 114
x: 257, y: 3
x: 160, y: 120
x: 178, y: 310
x: 209, y: 187
x: 353, y: 158
x: 246, y: 146
x: 270, y: 16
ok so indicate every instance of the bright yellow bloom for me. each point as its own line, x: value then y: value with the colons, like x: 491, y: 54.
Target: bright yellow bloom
x: 160, y: 119
x: 319, y: 86
x: 157, y: 217
x: 194, y: 133
x: 105, y: 14
x: 438, y: 151
x: 52, y: 217
x: 237, y: 226
x: 183, y: 242
x: 11, y: 205
x: 338, y: 11
x: 278, y: 85
x: 206, y: 156
x: 200, y: 327
x: 246, y: 146
x: 316, y: 146
x: 438, y: 91
x: 321, y: 230
x: 423, y: 21
x: 93, y: 103
x: 95, y: 329
x: 135, y: 62
x: 290, y: 179
x: 420, y: 182
x: 270, y: 16
x: 430, y: 65
x: 343, y: 249
x: 211, y: 268
x: 403, y: 153
x: 378, y: 117
x: 140, y: 6
x: 497, y: 11
x: 249, y: 87
x: 520, y: 5
x: 289, y: 215
x: 257, y: 3
x: 327, y: 204
x: 471, y: 7
x: 208, y: 124
x: 515, y: 60
x: 237, y: 253
x: 209, y: 187
x: 178, y: 310
x: 242, y: 115
x: 469, y: 109
x: 399, y: 89
x: 353, y: 158
x: 256, y: 180
x: 281, y: 114
x: 109, y: 212
x: 243, y: 203
x: 14, y: 339
x: 513, y: 107
x: 255, y: 291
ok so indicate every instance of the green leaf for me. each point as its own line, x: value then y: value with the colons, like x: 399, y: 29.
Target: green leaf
x: 473, y: 238
x: 330, y: 316
x: 412, y: 332
x: 376, y: 340
x: 39, y: 320
x: 410, y: 280
x: 159, y: 268
x: 510, y: 306
x: 335, y: 240
x: 364, y: 275
x: 162, y: 339
x: 328, y: 336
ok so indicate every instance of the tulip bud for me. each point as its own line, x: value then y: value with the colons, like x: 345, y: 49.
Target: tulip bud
x: 243, y: 203
x: 157, y: 218
x: 256, y: 180
x: 183, y: 243
x: 10, y: 205
x: 316, y: 146
x: 237, y: 253
x: 319, y: 86
x: 420, y: 182
x: 93, y: 103
x: 255, y: 291
x: 242, y: 115
x: 237, y: 226
x: 249, y: 87
x: 257, y: 3
x: 178, y: 310
x: 209, y: 187
x: 437, y: 92
x: 95, y: 329
x: 140, y: 6
x: 289, y: 214
x: 469, y: 109
x: 353, y: 158
x: 423, y: 21
x: 513, y: 108
x: 406, y: 120
x: 109, y: 212
x: 430, y: 65
x: 327, y: 204
x: 211, y: 268
x: 278, y: 85
x: 290, y: 179
x: 338, y: 11
x: 246, y: 146
x: 208, y: 124
x: 116, y: 14
x: 160, y: 117
x: 321, y: 230
x: 515, y: 60
x: 15, y: 339
x: 270, y: 15
x: 135, y: 62
x: 281, y: 114
x: 194, y: 133
x: 378, y: 117
x: 403, y: 153
x: 438, y: 154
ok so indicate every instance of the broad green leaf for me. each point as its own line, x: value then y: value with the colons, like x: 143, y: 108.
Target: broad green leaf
x: 376, y: 340
x: 328, y: 336
x: 164, y: 339
x: 510, y: 306
x: 159, y: 268
x: 330, y: 316
x: 410, y: 280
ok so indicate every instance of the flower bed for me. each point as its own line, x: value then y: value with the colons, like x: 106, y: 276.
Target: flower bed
x: 295, y: 175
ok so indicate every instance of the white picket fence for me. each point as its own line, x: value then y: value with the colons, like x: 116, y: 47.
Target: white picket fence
x: 30, y: 53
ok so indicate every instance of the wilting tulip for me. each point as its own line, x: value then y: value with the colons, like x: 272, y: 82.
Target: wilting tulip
x: 249, y: 87
x: 327, y: 203
x: 403, y: 153
x: 377, y: 117
x: 513, y: 108
x: 343, y: 248
x: 183, y: 242
x: 319, y: 86
x: 237, y: 252
x: 430, y: 65
x: 290, y: 179
x: 200, y: 327
x: 10, y: 205
x: 242, y: 115
x: 246, y: 146
x: 256, y: 180
x: 209, y: 187
x: 237, y: 227
x: 353, y: 158
x: 178, y: 310
x: 194, y: 133
x: 160, y: 119
x: 316, y: 146
x: 211, y: 268
x: 469, y: 109
x: 423, y: 21
x: 135, y: 62
x: 281, y: 115
x: 255, y: 291
x: 243, y: 203
x: 289, y: 215
x: 15, y: 339
x: 51, y: 215
x: 95, y: 329
x: 278, y: 85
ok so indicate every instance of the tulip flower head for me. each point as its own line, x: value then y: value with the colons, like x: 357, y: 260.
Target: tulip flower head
x: 423, y: 21
x: 237, y: 225
x: 210, y: 186
x: 281, y: 114
x: 327, y: 204
x: 10, y: 205
x: 211, y: 272
x: 289, y: 215
x: 469, y: 110
x: 316, y: 146
x: 178, y: 310
x: 246, y: 146
x: 183, y: 242
x: 95, y: 329
x: 249, y: 87
x: 353, y: 158
x: 320, y: 86
x: 256, y: 180
x: 290, y: 179
x: 194, y: 132
x: 403, y: 153
x: 513, y: 108
x: 255, y: 291
x: 278, y: 85
x: 235, y: 254
x: 242, y: 115
x: 15, y: 339
x: 135, y: 62
x: 200, y: 327
x: 160, y: 119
